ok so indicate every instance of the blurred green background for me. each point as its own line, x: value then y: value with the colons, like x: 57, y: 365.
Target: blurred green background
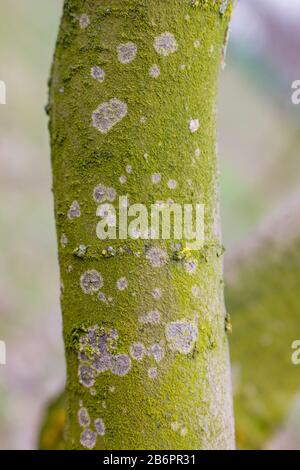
x: 259, y: 143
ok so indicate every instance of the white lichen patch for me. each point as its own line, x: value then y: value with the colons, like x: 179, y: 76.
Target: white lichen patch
x: 165, y: 44
x: 183, y: 431
x: 84, y: 21
x: 88, y: 439
x: 121, y: 364
x: 156, y: 178
x: 197, y: 43
x: 194, y: 125
x: 128, y: 169
x: 223, y: 7
x: 191, y: 266
x: 74, y: 211
x: 122, y: 283
x: 157, y: 351
x: 150, y: 318
x: 196, y: 291
x: 175, y: 426
x: 156, y: 293
x: 102, y: 297
x: 157, y: 257
x: 102, y: 194
x: 86, y: 376
x: 83, y: 417
x: 172, y: 184
x: 152, y: 372
x: 123, y: 179
x: 108, y: 114
x: 63, y: 240
x: 181, y: 336
x: 137, y: 351
x: 91, y: 281
x: 98, y: 73
x: 126, y: 52
x: 154, y: 71
x: 99, y: 426
x: 197, y: 152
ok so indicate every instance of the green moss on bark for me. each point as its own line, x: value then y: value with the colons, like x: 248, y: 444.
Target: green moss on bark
x: 183, y: 401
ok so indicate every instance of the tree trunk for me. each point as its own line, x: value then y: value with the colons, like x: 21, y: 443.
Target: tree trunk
x: 132, y: 113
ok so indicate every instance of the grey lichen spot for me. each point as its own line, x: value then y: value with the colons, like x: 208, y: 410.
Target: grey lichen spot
x: 175, y: 426
x: 88, y: 439
x: 83, y: 417
x: 143, y: 120
x: 197, y: 152
x: 157, y: 351
x: 128, y: 169
x: 63, y: 240
x: 172, y: 184
x: 102, y: 363
x: 123, y: 179
x: 165, y: 44
x: 156, y: 177
x: 181, y: 336
x: 126, y: 52
x: 191, y: 266
x: 196, y: 291
x: 197, y: 43
x: 74, y: 211
x: 99, y: 193
x: 108, y: 114
x: 156, y: 293
x: 84, y: 21
x: 150, y: 318
x: 98, y: 74
x: 86, y: 376
x: 223, y: 7
x: 157, y: 257
x: 194, y: 125
x: 121, y: 364
x: 122, y: 283
x: 137, y: 351
x: 183, y: 431
x: 152, y: 372
x: 102, y: 297
x: 99, y: 426
x: 154, y: 71
x: 91, y: 281
x: 111, y: 194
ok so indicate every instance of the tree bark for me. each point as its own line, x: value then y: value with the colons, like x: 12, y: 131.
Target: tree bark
x: 132, y: 113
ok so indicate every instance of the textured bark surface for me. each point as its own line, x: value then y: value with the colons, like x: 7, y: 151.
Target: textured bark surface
x: 144, y: 321
x: 262, y: 296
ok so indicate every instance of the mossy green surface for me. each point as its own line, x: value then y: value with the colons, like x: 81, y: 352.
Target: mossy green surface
x: 188, y: 404
x: 264, y: 306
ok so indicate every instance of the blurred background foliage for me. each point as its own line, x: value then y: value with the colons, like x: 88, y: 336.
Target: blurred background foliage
x: 259, y: 141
